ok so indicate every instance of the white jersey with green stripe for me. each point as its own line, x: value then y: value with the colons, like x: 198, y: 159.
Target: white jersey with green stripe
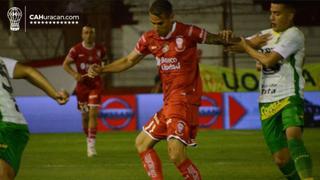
x: 9, y: 111
x: 285, y: 78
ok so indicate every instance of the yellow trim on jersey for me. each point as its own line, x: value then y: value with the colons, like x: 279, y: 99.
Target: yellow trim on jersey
x: 273, y: 108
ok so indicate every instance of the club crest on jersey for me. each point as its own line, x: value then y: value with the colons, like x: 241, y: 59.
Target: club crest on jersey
x: 83, y: 66
x: 180, y: 44
x: 180, y: 128
x: 165, y: 48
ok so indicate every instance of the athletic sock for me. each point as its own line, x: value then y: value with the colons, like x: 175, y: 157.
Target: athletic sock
x: 301, y: 158
x: 152, y: 164
x: 289, y: 171
x: 189, y: 171
x: 92, y: 133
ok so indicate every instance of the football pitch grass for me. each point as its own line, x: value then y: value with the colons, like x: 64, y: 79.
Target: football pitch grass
x: 229, y: 155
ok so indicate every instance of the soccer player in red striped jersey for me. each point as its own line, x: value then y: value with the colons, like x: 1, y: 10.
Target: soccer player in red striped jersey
x: 88, y: 90
x: 174, y: 46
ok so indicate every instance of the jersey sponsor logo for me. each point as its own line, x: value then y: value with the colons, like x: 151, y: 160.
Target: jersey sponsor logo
x: 268, y: 111
x: 179, y: 44
x: 116, y: 113
x: 167, y: 64
x: 268, y: 91
x: 81, y: 55
x: 153, y: 47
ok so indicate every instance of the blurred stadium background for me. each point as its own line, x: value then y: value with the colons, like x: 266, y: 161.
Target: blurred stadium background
x: 229, y: 81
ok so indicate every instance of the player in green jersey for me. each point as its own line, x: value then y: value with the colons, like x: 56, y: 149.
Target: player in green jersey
x: 14, y: 133
x: 281, y: 91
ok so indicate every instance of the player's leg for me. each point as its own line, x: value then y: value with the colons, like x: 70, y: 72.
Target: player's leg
x: 275, y: 138
x: 152, y: 132
x: 93, y: 115
x: 85, y: 122
x: 292, y: 116
x: 93, y: 103
x: 299, y: 153
x: 82, y: 99
x: 13, y: 140
x: 179, y: 136
x: 6, y: 171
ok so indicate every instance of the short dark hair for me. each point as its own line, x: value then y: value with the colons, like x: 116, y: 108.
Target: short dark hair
x: 159, y: 7
x: 289, y: 3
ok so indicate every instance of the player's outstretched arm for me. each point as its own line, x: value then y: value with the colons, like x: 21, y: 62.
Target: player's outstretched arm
x: 255, y: 42
x: 224, y: 37
x: 119, y: 65
x: 267, y: 60
x: 36, y: 78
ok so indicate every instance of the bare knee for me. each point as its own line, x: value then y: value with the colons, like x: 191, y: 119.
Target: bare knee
x: 176, y: 151
x: 282, y: 157
x: 280, y: 161
x: 143, y: 142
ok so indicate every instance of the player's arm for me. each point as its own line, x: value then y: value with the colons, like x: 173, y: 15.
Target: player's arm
x: 267, y: 60
x: 67, y: 67
x: 255, y: 42
x: 224, y: 37
x: 36, y: 78
x: 119, y: 65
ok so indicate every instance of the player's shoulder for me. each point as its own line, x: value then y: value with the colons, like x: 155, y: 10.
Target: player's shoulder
x: 149, y: 34
x: 7, y: 60
x: 293, y: 33
x: 183, y: 27
x: 100, y: 46
x: 76, y: 47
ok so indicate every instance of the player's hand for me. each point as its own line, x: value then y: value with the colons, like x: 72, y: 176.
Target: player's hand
x: 94, y: 70
x: 225, y: 35
x: 62, y: 97
x: 228, y: 38
x: 243, y: 43
x: 258, y: 66
x: 262, y: 39
x: 78, y: 77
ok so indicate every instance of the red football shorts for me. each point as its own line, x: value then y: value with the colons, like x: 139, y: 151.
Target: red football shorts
x: 174, y: 121
x: 88, y: 98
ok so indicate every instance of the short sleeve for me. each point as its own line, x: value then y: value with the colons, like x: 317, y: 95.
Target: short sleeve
x: 142, y: 45
x: 72, y: 53
x: 199, y: 35
x: 290, y: 42
x: 10, y: 65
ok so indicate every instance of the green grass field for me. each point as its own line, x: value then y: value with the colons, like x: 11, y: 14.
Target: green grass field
x: 220, y: 155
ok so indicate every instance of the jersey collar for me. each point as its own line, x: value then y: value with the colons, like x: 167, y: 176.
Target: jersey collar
x: 171, y: 32
x: 89, y: 48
